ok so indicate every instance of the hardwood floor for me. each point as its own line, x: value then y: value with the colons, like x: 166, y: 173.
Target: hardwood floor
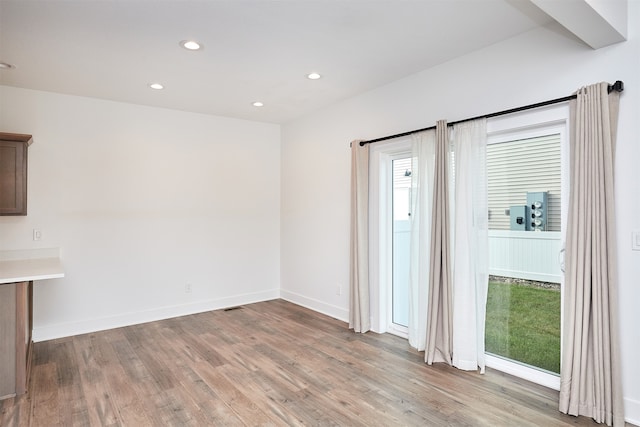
x: 270, y: 363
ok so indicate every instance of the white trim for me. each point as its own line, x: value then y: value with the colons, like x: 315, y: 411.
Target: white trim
x: 388, y: 227
x: 61, y: 330
x: 632, y: 411
x: 398, y: 330
x: 525, y: 121
x: 377, y: 244
x: 523, y: 371
x: 380, y: 272
x: 316, y: 305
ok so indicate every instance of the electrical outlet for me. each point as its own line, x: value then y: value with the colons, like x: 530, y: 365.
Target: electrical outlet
x: 635, y: 240
x: 37, y: 234
x: 187, y: 288
x: 339, y: 289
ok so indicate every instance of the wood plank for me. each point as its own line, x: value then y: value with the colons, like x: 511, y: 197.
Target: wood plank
x: 45, y: 404
x: 243, y: 407
x: 270, y: 363
x: 90, y: 353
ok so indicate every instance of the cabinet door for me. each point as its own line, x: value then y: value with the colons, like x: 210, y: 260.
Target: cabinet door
x: 13, y: 177
x: 24, y: 307
x: 8, y: 340
x: 16, y: 307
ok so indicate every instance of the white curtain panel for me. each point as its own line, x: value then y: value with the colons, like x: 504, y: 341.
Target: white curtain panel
x: 422, y: 170
x: 590, y: 372
x: 359, y: 303
x: 470, y: 243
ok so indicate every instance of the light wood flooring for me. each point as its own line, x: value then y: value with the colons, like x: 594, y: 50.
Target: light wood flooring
x: 270, y: 363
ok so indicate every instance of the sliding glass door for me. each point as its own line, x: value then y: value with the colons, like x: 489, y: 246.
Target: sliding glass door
x: 526, y: 180
x: 523, y: 307
x: 527, y: 197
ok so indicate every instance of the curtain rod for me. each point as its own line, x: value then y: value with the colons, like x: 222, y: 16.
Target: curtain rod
x: 618, y: 86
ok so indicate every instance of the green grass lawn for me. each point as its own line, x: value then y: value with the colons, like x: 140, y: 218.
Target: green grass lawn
x: 523, y: 324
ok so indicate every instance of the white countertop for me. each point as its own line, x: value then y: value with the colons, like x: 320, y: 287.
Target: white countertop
x: 23, y: 270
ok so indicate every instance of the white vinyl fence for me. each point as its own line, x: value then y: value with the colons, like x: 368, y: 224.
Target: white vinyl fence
x: 525, y: 255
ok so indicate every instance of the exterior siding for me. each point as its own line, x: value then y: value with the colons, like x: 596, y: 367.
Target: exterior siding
x: 400, y: 166
x: 516, y: 167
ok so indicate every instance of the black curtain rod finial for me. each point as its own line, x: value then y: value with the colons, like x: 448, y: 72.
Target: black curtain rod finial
x: 618, y: 86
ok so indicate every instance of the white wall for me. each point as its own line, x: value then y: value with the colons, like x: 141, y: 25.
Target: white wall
x: 535, y: 66
x: 142, y: 201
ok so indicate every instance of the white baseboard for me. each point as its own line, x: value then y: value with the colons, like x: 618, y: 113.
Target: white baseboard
x: 632, y: 411
x: 316, y: 305
x: 61, y: 330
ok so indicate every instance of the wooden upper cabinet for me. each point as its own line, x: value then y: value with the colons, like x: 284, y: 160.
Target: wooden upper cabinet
x: 13, y: 173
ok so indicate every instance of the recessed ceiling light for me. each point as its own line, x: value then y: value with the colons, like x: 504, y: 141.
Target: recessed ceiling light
x: 6, y: 66
x: 258, y: 104
x: 191, y: 45
x: 156, y: 86
x: 313, y: 76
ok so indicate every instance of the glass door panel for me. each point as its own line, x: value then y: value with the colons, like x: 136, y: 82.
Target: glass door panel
x: 401, y: 199
x: 524, y: 301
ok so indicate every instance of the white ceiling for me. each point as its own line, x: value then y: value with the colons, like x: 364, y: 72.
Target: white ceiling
x: 254, y: 49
